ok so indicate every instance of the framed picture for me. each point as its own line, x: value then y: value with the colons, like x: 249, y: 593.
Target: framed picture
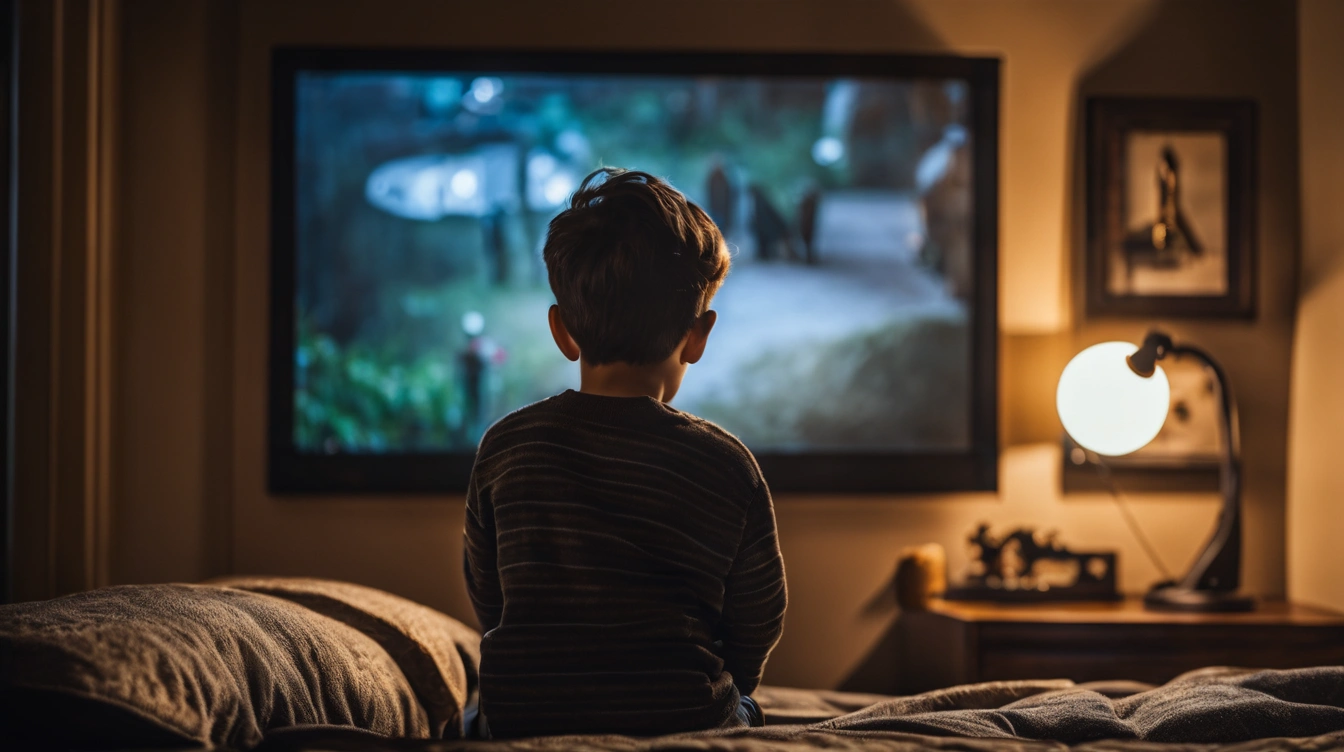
x: 1171, y: 208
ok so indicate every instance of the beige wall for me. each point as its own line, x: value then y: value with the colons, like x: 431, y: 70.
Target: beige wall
x: 839, y: 551
x: 1315, y: 485
x: 170, y: 450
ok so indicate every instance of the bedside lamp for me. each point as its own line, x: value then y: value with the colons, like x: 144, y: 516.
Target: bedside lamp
x: 1113, y: 399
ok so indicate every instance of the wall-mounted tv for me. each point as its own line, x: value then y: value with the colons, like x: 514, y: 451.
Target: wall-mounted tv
x: 856, y: 343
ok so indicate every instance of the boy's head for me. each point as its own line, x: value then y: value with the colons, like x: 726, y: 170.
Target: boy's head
x: 633, y: 266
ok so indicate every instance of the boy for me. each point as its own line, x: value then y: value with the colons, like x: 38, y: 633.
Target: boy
x: 621, y: 555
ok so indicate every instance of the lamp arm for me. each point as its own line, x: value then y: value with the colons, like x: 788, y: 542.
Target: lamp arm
x: 1218, y: 566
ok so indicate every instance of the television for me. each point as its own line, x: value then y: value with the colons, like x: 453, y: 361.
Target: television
x: 856, y: 346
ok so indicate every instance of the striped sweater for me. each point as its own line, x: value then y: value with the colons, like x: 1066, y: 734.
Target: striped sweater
x: 622, y: 558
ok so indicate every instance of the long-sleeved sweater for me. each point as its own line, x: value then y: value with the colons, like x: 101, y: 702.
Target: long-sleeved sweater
x: 623, y: 561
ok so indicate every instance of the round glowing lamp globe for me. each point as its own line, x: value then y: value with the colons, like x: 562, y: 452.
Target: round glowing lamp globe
x: 1107, y: 407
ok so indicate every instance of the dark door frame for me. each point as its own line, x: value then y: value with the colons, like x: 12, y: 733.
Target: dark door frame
x: 8, y: 66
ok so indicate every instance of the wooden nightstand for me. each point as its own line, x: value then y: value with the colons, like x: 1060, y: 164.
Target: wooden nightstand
x: 959, y: 642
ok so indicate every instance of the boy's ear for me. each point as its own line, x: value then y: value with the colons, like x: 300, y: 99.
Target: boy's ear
x: 698, y: 337
x: 566, y: 343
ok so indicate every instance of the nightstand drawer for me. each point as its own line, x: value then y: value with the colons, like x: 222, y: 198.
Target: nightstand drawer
x: 965, y: 643
x: 1152, y: 666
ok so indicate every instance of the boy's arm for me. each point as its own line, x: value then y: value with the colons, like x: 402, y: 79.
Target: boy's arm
x: 754, y: 597
x: 479, y: 553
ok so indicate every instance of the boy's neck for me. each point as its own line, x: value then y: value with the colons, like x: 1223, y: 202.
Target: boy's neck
x: 657, y: 380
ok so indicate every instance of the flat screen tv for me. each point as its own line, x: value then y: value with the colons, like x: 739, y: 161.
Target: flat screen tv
x: 856, y: 343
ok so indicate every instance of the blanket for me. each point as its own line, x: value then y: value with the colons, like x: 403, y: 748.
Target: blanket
x: 1217, y: 708
x: 282, y: 664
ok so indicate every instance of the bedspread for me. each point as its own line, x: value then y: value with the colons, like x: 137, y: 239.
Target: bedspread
x: 283, y: 664
x: 1217, y: 708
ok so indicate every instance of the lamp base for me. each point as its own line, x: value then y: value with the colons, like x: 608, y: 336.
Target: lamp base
x: 1177, y: 598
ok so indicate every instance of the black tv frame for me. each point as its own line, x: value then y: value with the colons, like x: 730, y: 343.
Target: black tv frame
x: 974, y: 469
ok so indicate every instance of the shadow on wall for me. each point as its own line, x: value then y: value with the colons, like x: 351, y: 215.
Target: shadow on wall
x: 1174, y: 50
x: 881, y: 669
x: 1202, y: 49
x: 1170, y: 61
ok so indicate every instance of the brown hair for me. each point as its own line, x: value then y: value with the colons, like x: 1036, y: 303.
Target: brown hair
x: 632, y: 264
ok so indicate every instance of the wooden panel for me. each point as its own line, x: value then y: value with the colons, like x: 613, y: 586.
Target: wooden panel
x: 936, y: 652
x: 62, y: 286
x: 1129, y: 637
x: 1150, y: 652
x: 1129, y: 611
x: 957, y: 643
x: 1155, y: 666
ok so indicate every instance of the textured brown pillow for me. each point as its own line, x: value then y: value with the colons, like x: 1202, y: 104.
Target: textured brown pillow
x: 438, y: 654
x: 142, y: 664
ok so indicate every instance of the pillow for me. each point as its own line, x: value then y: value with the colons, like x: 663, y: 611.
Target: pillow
x: 439, y: 655
x: 195, y: 664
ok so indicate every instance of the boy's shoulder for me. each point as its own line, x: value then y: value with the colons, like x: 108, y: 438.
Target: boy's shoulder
x: 528, y: 415
x: 732, y: 463
x: 670, y: 426
x: 724, y: 440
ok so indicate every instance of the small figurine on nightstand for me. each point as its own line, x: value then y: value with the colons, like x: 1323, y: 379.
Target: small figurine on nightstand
x: 1027, y: 566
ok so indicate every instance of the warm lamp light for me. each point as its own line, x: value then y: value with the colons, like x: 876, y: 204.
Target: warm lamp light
x: 1113, y: 399
x: 1105, y: 406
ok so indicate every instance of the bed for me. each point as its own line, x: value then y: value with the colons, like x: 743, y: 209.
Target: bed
x: 302, y: 664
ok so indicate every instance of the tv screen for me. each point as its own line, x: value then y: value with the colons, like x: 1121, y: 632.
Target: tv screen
x: 855, y: 343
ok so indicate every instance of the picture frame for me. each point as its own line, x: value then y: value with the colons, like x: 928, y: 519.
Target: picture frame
x: 1171, y: 204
